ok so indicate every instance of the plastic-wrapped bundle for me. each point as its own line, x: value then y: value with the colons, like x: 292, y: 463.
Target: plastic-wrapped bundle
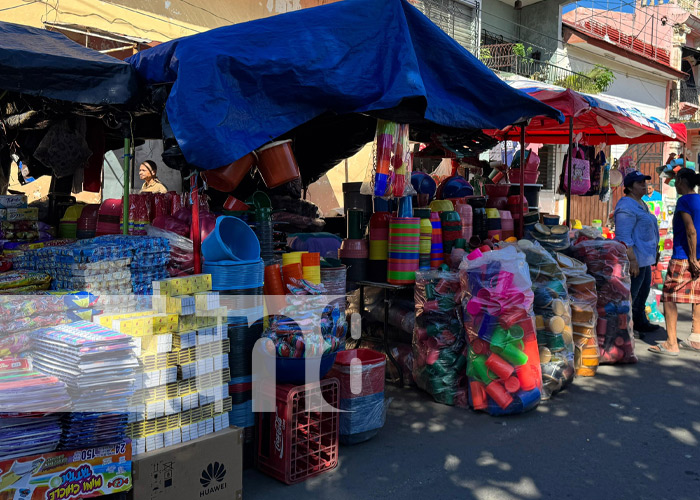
x: 607, y: 262
x: 584, y: 316
x: 390, y: 175
x: 438, y: 338
x: 361, y: 376
x: 503, y: 361
x: 552, y: 318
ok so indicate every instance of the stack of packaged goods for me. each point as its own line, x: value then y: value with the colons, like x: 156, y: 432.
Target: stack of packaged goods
x: 31, y: 423
x: 17, y: 222
x: 607, y: 262
x: 24, y: 314
x: 99, y: 367
x: 439, y: 345
x: 181, y: 389
x: 552, y: 318
x: 503, y: 361
x: 584, y: 315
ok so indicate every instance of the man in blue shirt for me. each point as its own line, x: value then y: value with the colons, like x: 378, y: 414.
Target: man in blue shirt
x: 652, y: 194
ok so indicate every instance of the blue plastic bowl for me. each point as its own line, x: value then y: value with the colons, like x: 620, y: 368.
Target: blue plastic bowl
x: 423, y: 183
x: 456, y: 187
x: 293, y: 370
x: 231, y: 239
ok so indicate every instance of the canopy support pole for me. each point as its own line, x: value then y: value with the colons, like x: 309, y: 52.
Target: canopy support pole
x: 127, y: 182
x: 568, y: 176
x: 196, y: 234
x: 521, y: 201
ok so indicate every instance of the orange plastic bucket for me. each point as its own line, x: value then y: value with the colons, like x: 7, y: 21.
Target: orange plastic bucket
x: 228, y: 177
x: 277, y: 163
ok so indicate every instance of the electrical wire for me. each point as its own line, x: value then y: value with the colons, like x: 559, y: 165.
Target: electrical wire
x: 20, y: 5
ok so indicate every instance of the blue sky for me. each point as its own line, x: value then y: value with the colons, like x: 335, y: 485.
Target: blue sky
x: 617, y: 5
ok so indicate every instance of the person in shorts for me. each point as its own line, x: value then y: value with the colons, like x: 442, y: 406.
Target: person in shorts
x: 682, y: 285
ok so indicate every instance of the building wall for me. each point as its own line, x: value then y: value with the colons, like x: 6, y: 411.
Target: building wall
x: 158, y: 20
x: 500, y: 19
x: 541, y: 24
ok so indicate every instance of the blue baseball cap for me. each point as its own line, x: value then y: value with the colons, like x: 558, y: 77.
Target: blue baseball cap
x: 635, y: 176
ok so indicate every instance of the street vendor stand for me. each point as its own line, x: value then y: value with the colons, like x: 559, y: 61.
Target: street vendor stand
x: 598, y: 118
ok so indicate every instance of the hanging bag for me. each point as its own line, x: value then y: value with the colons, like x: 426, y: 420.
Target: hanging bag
x: 580, y: 173
x: 595, y: 173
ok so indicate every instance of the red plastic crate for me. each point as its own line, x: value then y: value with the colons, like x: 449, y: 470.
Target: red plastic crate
x: 295, y: 444
x: 369, y: 370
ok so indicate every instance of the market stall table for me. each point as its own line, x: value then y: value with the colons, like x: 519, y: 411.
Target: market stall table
x: 389, y: 292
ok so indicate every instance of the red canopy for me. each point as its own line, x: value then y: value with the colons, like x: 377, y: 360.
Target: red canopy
x: 600, y: 119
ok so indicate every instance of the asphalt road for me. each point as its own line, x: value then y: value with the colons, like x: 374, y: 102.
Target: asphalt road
x: 630, y: 432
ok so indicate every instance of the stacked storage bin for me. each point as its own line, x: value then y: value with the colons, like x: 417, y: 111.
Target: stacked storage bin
x: 361, y: 376
x: 404, y: 243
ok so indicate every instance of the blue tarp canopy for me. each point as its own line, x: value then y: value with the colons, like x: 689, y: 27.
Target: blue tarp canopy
x: 48, y: 64
x: 238, y: 87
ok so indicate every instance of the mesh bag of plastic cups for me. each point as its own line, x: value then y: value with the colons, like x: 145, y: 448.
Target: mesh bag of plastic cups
x: 438, y: 338
x: 584, y: 315
x: 361, y: 376
x: 552, y: 318
x: 503, y: 363
x: 607, y: 262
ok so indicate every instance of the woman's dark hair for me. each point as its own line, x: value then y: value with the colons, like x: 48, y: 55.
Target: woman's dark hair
x: 690, y: 176
x: 626, y: 191
x: 151, y: 166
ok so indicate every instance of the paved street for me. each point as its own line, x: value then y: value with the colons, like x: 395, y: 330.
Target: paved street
x: 631, y: 432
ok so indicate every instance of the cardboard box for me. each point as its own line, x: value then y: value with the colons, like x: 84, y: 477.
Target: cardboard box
x: 86, y: 473
x: 208, y: 468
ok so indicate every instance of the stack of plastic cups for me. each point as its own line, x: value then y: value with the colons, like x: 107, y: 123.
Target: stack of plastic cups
x: 451, y: 231
x: 493, y: 220
x: 436, y: 257
x: 311, y: 267
x: 291, y: 272
x: 264, y: 232
x: 379, y: 245
x: 465, y: 214
x: 274, y: 289
x: 404, y: 246
x: 354, y: 254
x: 426, y: 237
x: 291, y: 258
x: 507, y: 227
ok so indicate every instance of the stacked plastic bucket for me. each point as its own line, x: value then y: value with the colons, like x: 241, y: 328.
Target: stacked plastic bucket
x: 465, y: 215
x: 426, y: 237
x: 311, y: 267
x: 404, y: 245
x: 436, y: 258
x: 361, y: 376
x: 379, y: 245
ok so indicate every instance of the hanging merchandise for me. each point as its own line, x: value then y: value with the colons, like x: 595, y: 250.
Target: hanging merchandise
x: 438, y: 338
x: 584, y: 315
x: 597, y: 165
x: 607, y: 262
x: 580, y: 173
x: 393, y: 162
x: 552, y: 319
x: 605, y: 184
x: 503, y: 360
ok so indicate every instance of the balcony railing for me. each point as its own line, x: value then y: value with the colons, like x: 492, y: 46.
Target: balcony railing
x: 502, y: 58
x: 614, y: 36
x: 685, y: 104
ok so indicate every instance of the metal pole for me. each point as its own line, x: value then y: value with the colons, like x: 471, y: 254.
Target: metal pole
x: 569, y: 175
x: 196, y: 234
x: 127, y: 183
x: 521, y: 209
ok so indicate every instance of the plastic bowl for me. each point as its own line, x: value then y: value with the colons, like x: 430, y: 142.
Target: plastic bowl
x: 293, y: 370
x: 423, y: 183
x: 497, y: 190
x: 231, y: 239
x: 455, y: 187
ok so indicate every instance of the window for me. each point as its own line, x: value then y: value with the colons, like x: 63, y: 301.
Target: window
x: 548, y: 167
x: 457, y: 18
